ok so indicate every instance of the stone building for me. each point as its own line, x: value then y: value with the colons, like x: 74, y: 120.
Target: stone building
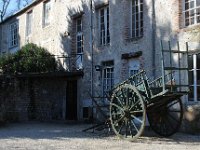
x: 111, y: 40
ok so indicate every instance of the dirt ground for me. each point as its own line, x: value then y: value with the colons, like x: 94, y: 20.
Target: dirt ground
x: 59, y: 136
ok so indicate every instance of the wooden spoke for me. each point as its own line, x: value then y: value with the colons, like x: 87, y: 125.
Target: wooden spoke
x: 130, y: 128
x: 173, y: 117
x: 115, y: 105
x: 137, y: 119
x: 172, y: 104
x: 134, y: 126
x: 121, y: 127
x: 120, y: 119
x: 119, y: 101
x: 166, y: 119
x: 136, y: 111
x: 134, y: 105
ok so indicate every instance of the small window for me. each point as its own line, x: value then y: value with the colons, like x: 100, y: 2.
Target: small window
x: 137, y: 19
x: 13, y: 34
x: 46, y: 13
x: 108, y: 76
x: 104, y: 25
x: 29, y: 23
x: 191, y: 12
x: 134, y: 66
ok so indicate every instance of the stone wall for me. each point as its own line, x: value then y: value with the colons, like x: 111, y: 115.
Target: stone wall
x: 33, y: 99
x: 191, y: 123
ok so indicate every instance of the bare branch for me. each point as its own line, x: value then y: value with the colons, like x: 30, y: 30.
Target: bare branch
x: 3, y: 9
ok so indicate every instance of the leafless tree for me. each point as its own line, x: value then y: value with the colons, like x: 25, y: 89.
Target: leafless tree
x: 22, y: 3
x: 3, y: 8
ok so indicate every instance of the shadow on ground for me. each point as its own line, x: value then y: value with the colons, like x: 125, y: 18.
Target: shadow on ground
x: 32, y: 130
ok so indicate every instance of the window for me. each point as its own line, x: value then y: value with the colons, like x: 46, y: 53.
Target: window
x: 194, y: 77
x: 134, y: 66
x: 79, y: 35
x: 104, y: 25
x: 137, y: 18
x: 79, y: 42
x: 13, y: 34
x: 191, y: 12
x: 29, y: 23
x: 108, y: 76
x: 46, y: 13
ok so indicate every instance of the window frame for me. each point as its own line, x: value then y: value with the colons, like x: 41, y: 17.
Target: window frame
x: 79, y: 35
x: 134, y: 19
x: 14, y: 38
x: 29, y: 21
x: 194, y: 83
x: 107, y: 81
x: 46, y: 21
x: 104, y: 27
x: 189, y: 9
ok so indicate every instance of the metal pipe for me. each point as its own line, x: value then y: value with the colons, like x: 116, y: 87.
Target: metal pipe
x: 153, y: 38
x: 92, y: 51
x: 163, y: 66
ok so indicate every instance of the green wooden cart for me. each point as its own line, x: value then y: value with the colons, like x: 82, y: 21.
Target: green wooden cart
x: 136, y: 99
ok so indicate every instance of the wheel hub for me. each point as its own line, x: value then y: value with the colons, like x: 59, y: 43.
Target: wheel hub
x: 127, y: 113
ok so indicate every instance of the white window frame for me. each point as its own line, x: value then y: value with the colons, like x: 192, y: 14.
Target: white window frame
x: 137, y: 31
x: 195, y: 85
x: 79, y: 42
x: 79, y: 35
x: 14, y: 35
x: 46, y: 13
x: 29, y: 19
x: 104, y: 29
x: 107, y: 78
x: 134, y: 66
x: 192, y: 12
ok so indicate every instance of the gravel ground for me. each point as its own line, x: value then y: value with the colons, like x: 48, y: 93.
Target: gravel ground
x: 51, y: 136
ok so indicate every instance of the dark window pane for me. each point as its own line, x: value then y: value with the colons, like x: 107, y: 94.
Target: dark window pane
x: 198, y: 2
x: 136, y: 8
x: 191, y: 94
x: 137, y: 33
x: 141, y: 31
x: 186, y: 6
x: 141, y: 7
x: 198, y: 93
x: 191, y: 79
x: 187, y: 23
x: 198, y: 77
x: 191, y: 12
x: 198, y: 61
x: 141, y: 24
x: 192, y: 20
x: 198, y: 19
x: 187, y: 14
x: 192, y: 4
x: 190, y: 62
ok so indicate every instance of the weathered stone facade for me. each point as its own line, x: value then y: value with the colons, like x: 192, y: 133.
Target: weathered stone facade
x: 162, y: 21
x: 41, y: 98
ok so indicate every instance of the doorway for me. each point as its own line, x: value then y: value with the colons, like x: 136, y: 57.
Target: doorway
x: 71, y: 100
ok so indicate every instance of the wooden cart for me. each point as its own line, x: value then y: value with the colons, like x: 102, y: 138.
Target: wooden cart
x: 136, y: 99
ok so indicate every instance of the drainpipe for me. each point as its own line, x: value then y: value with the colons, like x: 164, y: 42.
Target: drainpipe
x: 92, y: 50
x: 153, y: 39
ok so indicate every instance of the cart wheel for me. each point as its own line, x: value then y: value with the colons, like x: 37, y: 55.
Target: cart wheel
x: 127, y: 112
x: 166, y: 119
